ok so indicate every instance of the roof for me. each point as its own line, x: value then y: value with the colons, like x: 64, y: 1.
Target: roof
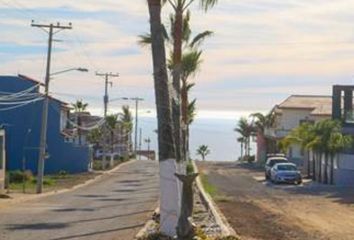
x: 319, y: 104
x: 30, y: 79
x: 64, y: 104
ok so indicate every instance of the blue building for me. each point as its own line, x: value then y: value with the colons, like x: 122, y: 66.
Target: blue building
x: 20, y: 116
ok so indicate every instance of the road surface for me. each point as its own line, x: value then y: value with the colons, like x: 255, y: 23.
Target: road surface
x: 115, y: 207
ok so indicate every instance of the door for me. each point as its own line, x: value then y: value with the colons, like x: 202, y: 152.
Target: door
x: 2, y: 160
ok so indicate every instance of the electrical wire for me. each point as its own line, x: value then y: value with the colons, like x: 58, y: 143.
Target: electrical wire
x: 18, y: 106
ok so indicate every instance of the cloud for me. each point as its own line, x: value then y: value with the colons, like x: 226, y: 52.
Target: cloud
x: 262, y: 50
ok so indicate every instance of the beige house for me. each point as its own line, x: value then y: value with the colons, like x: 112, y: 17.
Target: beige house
x: 2, y: 160
x: 295, y: 110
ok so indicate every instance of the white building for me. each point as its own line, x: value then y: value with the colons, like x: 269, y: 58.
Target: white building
x: 295, y: 110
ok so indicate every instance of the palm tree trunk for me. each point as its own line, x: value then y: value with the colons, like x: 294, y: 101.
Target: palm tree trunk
x: 332, y: 169
x: 314, y: 165
x: 176, y: 81
x: 326, y: 169
x: 320, y: 168
x: 169, y: 195
x: 308, y: 164
x: 184, y: 100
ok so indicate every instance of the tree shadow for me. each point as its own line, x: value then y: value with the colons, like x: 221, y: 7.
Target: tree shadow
x: 99, y: 232
x: 37, y: 226
x: 92, y: 196
x: 74, y: 210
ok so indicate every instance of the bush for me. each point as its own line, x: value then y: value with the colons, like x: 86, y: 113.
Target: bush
x: 190, y: 168
x: 62, y: 173
x: 18, y: 176
x: 46, y: 181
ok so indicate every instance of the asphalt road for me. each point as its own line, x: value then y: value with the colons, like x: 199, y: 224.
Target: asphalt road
x: 115, y: 207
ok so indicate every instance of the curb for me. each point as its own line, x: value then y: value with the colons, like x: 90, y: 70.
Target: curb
x: 226, y: 229
x: 142, y: 232
x: 54, y: 192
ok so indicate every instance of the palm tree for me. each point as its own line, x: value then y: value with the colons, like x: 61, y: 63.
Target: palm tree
x: 162, y: 93
x: 190, y: 64
x: 303, y: 136
x: 79, y: 107
x: 164, y: 118
x: 245, y: 129
x: 336, y: 144
x: 261, y: 122
x: 94, y: 137
x: 241, y: 140
x: 126, y: 120
x: 179, y: 7
x: 112, y: 124
x: 203, y: 151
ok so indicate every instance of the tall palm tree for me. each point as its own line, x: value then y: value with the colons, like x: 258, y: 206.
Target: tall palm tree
x: 126, y: 120
x: 241, y: 140
x: 162, y: 93
x: 168, y: 189
x: 245, y: 129
x: 112, y: 124
x: 190, y: 64
x: 303, y: 136
x: 262, y: 122
x: 336, y: 144
x: 79, y: 107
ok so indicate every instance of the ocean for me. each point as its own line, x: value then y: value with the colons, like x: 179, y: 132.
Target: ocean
x: 217, y: 132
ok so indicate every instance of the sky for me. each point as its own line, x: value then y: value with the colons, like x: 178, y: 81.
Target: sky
x: 261, y: 51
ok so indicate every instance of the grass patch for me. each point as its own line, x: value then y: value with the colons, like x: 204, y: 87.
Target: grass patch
x: 208, y: 187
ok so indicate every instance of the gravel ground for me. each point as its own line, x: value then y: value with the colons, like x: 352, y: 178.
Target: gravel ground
x: 260, y: 210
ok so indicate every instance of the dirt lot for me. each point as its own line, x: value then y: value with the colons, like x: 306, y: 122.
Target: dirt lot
x: 260, y: 210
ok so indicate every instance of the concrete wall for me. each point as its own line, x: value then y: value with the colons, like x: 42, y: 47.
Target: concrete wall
x: 344, y: 170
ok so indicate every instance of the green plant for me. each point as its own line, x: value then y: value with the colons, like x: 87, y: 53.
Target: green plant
x: 208, y: 187
x: 18, y: 176
x: 62, y: 173
x: 203, y: 151
x: 190, y: 168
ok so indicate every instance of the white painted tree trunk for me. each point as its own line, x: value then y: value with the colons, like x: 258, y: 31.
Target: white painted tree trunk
x: 170, y: 196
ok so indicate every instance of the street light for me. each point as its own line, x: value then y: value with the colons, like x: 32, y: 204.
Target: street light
x: 80, y: 69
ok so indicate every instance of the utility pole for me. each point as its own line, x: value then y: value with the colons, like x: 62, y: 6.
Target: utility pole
x: 49, y: 28
x: 148, y: 141
x: 105, y: 102
x: 140, y: 140
x: 137, y: 100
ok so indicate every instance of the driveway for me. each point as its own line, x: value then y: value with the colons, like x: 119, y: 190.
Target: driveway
x: 260, y: 210
x: 115, y: 207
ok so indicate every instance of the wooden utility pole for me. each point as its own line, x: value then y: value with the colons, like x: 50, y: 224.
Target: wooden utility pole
x: 49, y: 28
x: 105, y: 102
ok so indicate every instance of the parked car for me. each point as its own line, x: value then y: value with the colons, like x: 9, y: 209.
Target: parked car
x: 285, y: 173
x: 271, y: 161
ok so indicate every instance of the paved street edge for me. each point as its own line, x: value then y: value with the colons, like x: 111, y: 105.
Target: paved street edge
x: 226, y: 229
x: 54, y: 192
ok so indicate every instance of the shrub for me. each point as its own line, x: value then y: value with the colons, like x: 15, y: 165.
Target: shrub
x: 62, y: 173
x: 18, y: 176
x: 189, y: 168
